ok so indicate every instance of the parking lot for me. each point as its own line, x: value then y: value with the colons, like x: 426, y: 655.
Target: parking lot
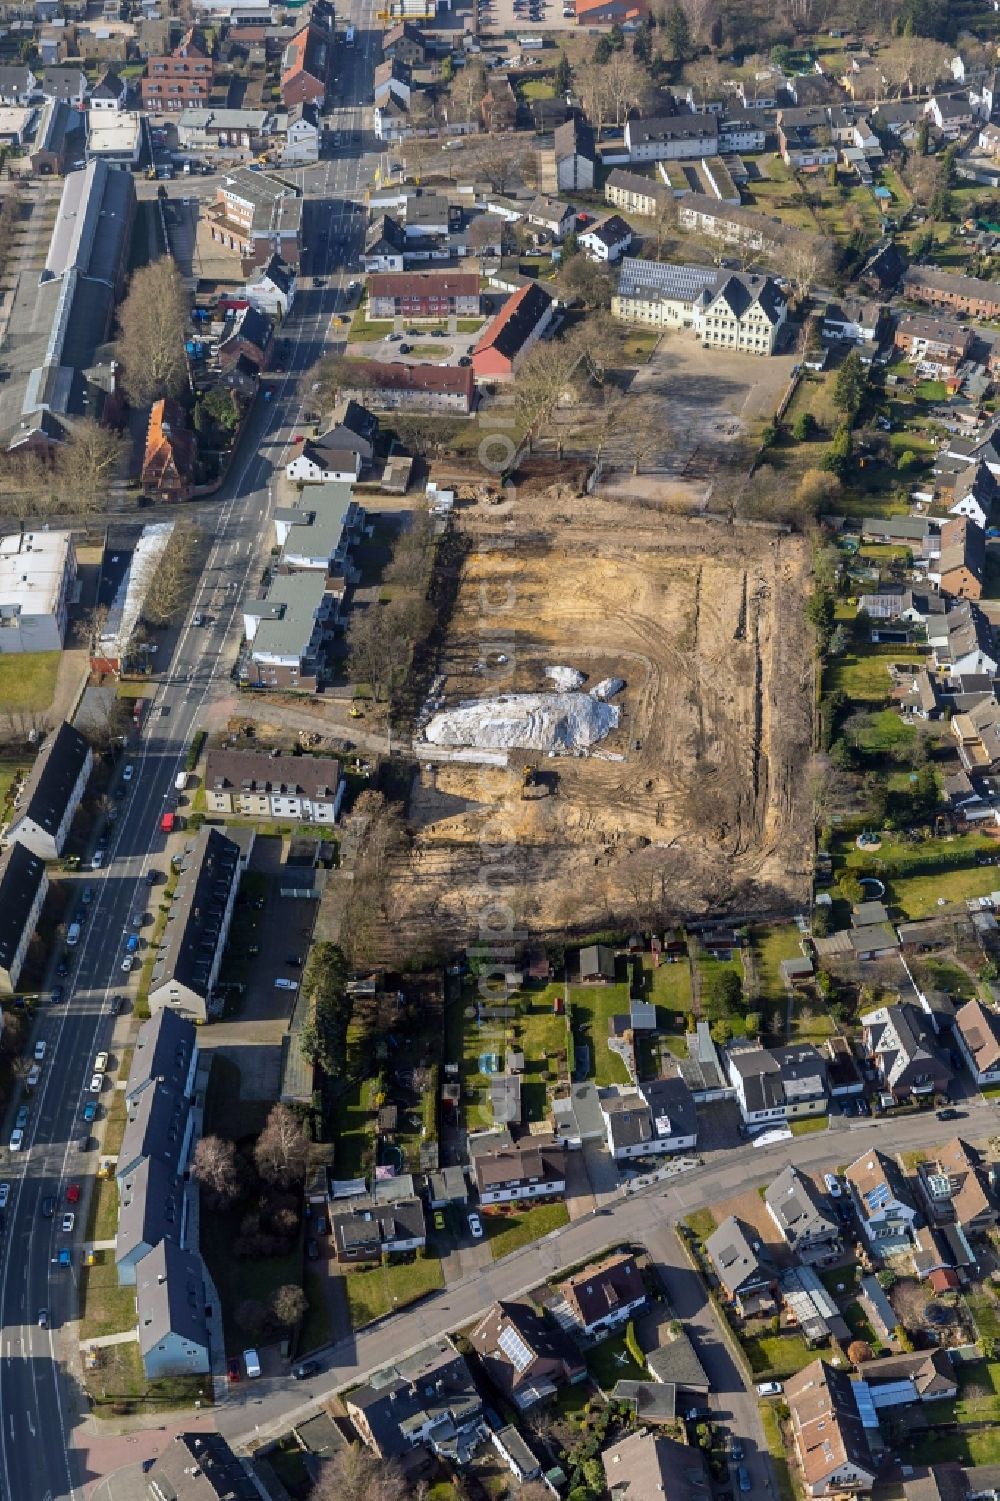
x: 530, y: 17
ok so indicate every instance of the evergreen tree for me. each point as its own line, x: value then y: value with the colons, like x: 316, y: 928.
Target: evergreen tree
x: 678, y: 31
x: 563, y: 80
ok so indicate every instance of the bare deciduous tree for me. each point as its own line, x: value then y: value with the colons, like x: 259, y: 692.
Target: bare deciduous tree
x: 542, y: 380
x: 282, y: 1148
x: 356, y: 1474
x: 86, y: 465
x: 591, y: 80
x: 168, y: 589
x: 217, y: 1168
x: 153, y: 321
x: 288, y: 1304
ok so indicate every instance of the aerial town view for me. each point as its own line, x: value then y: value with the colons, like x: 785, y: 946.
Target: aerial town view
x: 499, y: 750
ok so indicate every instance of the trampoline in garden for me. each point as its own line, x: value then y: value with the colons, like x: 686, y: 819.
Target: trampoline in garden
x: 489, y: 1063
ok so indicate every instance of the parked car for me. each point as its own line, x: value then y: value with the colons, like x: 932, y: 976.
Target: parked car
x: 769, y: 1388
x: 48, y: 1206
x: 101, y: 1063
x: 73, y: 1194
x: 312, y: 1250
x: 127, y: 964
x: 305, y: 1369
x: 233, y: 1371
x: 40, y: 1047
x: 68, y: 1221
x: 16, y: 1140
x: 949, y: 1114
x: 4, y: 1194
x: 97, y: 1083
x: 743, y: 1477
x: 475, y: 1225
x: 438, y: 1220
x: 128, y: 773
x: 281, y: 983
x: 21, y: 1119
x: 90, y: 1111
x: 832, y: 1186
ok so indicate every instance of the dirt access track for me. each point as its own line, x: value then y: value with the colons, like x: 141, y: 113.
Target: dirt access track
x: 698, y: 801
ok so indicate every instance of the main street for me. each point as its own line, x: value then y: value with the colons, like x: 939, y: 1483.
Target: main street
x: 40, y: 1402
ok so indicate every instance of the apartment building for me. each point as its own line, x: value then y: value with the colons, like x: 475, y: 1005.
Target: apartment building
x: 509, y: 336
x: 23, y: 886
x: 181, y: 80
x: 681, y: 137
x: 287, y: 632
x: 414, y: 388
x: 37, y: 577
x: 45, y: 805
x: 190, y: 956
x: 305, y: 67
x: 258, y: 216
x: 424, y: 294
x: 254, y: 784
x: 936, y: 345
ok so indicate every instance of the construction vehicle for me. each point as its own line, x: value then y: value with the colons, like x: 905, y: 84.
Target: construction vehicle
x: 535, y: 783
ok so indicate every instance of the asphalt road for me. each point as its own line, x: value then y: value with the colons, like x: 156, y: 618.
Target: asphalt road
x: 40, y: 1402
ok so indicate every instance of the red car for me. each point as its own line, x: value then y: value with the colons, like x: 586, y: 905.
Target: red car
x: 233, y: 1369
x: 73, y: 1194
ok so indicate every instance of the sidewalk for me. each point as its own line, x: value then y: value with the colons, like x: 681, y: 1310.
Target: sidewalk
x: 100, y: 1341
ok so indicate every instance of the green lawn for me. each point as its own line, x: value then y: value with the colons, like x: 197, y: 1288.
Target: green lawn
x: 864, y: 675
x: 102, y: 1218
x: 770, y: 946
x: 538, y: 88
x: 669, y: 987
x: 468, y: 325
x: 591, y: 1009
x: 971, y: 1446
x: 539, y: 1032
x: 638, y: 344
x: 361, y: 329
x: 355, y: 1115
x: 509, y: 1232
x: 114, y: 1130
x: 315, y: 1331
x: 943, y: 974
x: 378, y: 1290
x: 28, y: 680
x: 610, y: 1362
x: 119, y: 1381
x: 932, y: 390
x: 809, y: 1125
x: 106, y: 1307
x: 8, y: 774
x: 984, y: 1313
x: 978, y: 1398
x: 701, y: 1221
x: 779, y: 1355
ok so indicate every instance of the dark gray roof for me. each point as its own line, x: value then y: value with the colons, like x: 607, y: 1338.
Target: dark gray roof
x: 315, y: 777
x: 629, y: 1119
x: 164, y: 1047
x: 797, y: 1208
x: 672, y: 128
x: 740, y: 1259
x: 170, y: 1296
x: 434, y: 1384
x: 64, y: 83
x: 155, y: 1126
x: 195, y: 917
x: 53, y: 777
x: 151, y: 1204
x: 574, y: 137
x: 200, y: 1467
x: 672, y: 1106
x: 21, y: 874
x: 677, y: 1362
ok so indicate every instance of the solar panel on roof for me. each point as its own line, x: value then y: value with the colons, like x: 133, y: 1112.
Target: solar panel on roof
x: 516, y: 1351
x: 878, y: 1197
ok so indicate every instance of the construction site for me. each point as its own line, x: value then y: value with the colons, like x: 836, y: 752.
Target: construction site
x: 692, y: 796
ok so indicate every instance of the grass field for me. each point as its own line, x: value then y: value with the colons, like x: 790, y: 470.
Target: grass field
x: 375, y: 1291
x: 28, y: 680
x: 610, y: 1362
x: 701, y: 1221
x: 864, y: 675
x: 540, y: 1034
x: 107, y: 1308
x: 119, y: 1381
x: 315, y: 1330
x: 780, y: 1355
x: 776, y: 1449
x: 8, y: 774
x: 241, y: 1278
x: 509, y: 1232
x: 984, y: 1313
x: 102, y: 1218
x: 770, y: 946
x: 809, y: 1124
x: 590, y: 1011
x: 362, y: 330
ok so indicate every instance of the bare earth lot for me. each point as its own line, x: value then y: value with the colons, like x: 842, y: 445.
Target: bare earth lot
x: 697, y: 801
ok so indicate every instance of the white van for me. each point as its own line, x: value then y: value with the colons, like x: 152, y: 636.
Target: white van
x: 73, y: 935
x: 252, y: 1362
x: 180, y: 781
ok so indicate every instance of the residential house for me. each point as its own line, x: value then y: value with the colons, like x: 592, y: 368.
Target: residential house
x: 606, y: 1295
x: 415, y: 388
x: 509, y: 336
x: 672, y: 1108
x: 204, y: 1460
x: 955, y: 1187
x: 110, y: 93
x: 657, y: 1118
x: 367, y: 1231
x: 969, y: 296
x: 426, y: 1398
x: 803, y: 146
x: 393, y: 80
x: 778, y: 1084
x: 223, y: 129
x: 743, y: 1266
x: 165, y: 1055
x: 405, y: 42
x: 384, y: 244
x: 681, y: 137
x: 743, y: 129
x: 516, y: 1454
x: 551, y: 215
x: 646, y: 1464
x: 168, y: 464
x: 171, y: 1305
x: 303, y: 135
x: 977, y: 731
x: 17, y: 84
x: 181, y: 80
x: 424, y: 294
x: 272, y: 290
x: 961, y: 568
x: 977, y: 1036
x: 528, y: 1358
x: 928, y: 1374
x: 256, y: 784
x: 901, y: 1044
x: 57, y: 140
x: 804, y: 1218
x: 597, y: 965
x: 973, y: 492
x: 305, y: 67
x: 607, y: 240
x: 23, y: 887
x: 951, y: 113
x: 963, y: 641
x: 158, y: 1125
x: 857, y: 322
x: 883, y: 1201
x: 37, y: 576
x: 337, y: 457
x: 190, y: 955
x: 532, y: 1169
x: 247, y: 334
x: 831, y: 1443
x: 937, y: 346
x: 575, y: 156
x: 45, y: 804
x: 68, y: 84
